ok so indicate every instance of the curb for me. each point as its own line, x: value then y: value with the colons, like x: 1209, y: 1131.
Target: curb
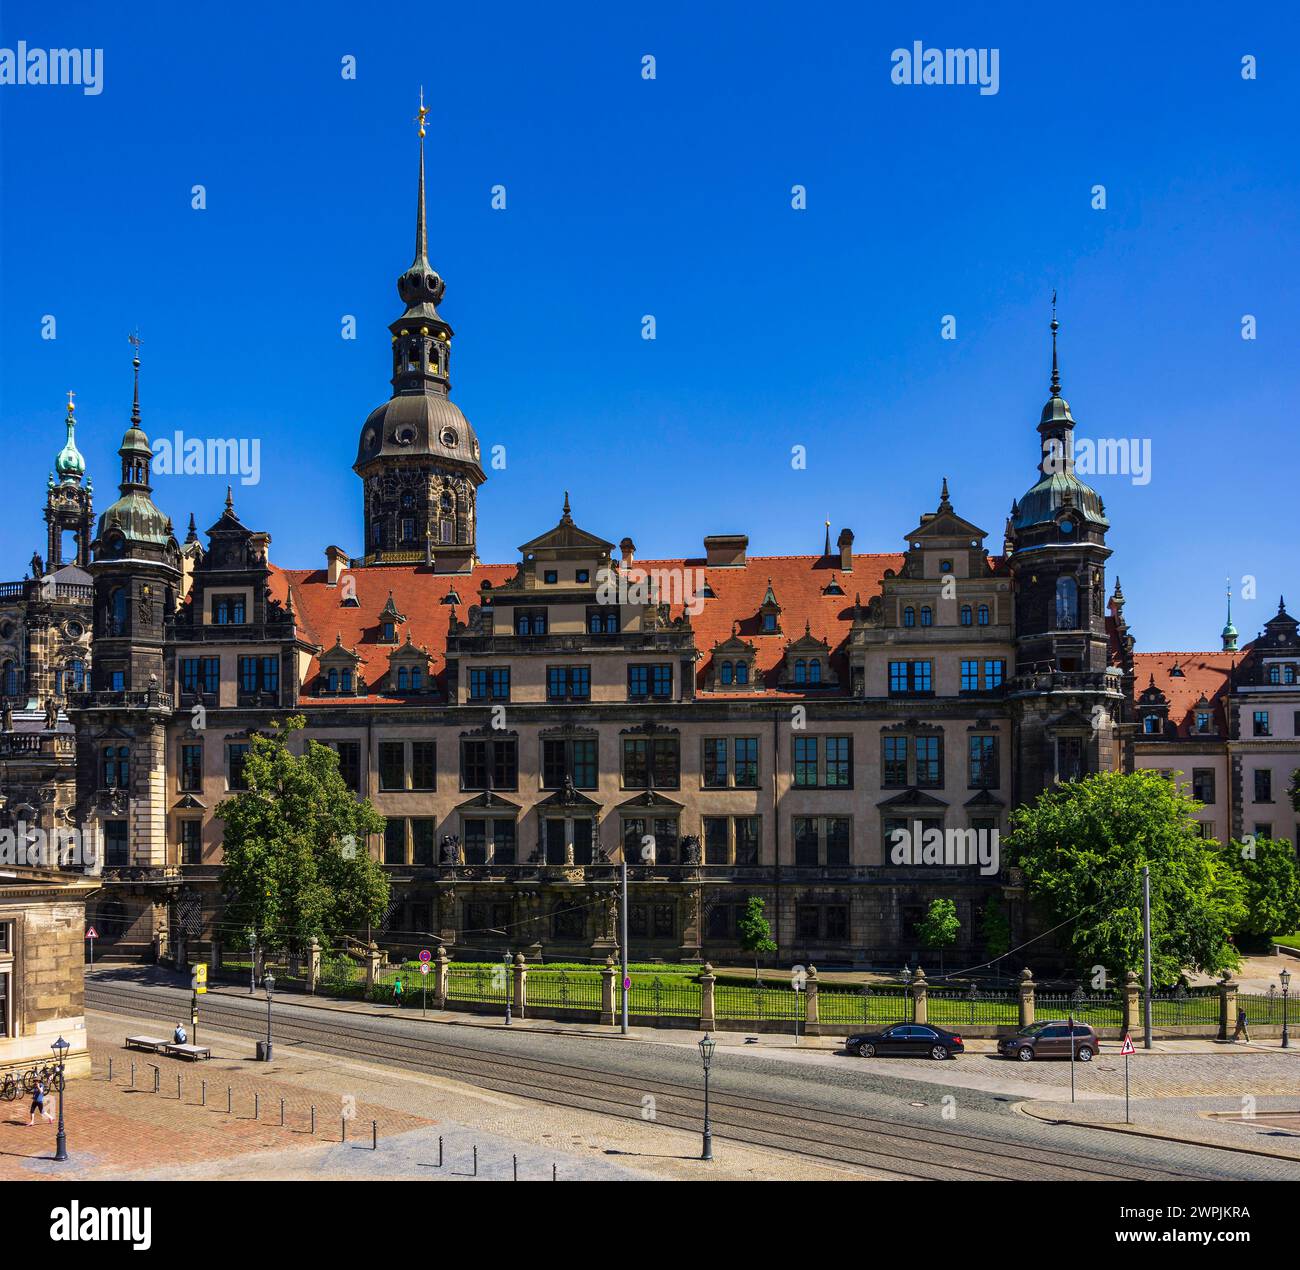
x: 1138, y: 1132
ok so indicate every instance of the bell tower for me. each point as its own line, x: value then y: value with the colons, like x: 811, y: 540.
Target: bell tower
x: 69, y: 503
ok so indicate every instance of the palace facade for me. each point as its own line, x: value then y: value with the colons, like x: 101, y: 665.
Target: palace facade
x: 732, y: 725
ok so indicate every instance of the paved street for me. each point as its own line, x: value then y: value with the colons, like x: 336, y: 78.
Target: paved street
x: 810, y: 1110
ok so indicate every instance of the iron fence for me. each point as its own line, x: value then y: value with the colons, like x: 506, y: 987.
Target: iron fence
x: 956, y: 1007
x: 481, y: 983
x: 1265, y: 1007
x: 563, y: 991
x: 872, y: 1003
x: 1181, y: 1008
x: 656, y: 997
x: 758, y: 1003
x: 1099, y: 1009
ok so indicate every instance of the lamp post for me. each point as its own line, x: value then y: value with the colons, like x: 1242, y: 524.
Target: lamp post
x: 60, y: 1048
x: 506, y: 959
x: 707, y: 1046
x: 269, y: 984
x: 1284, y: 975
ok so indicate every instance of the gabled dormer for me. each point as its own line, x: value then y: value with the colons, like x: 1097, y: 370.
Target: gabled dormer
x: 389, y: 621
x: 1201, y: 722
x: 769, y: 613
x: 807, y: 663
x: 1153, y: 710
x: 945, y: 544
x: 340, y: 671
x: 408, y: 669
x: 733, y: 665
x: 565, y: 558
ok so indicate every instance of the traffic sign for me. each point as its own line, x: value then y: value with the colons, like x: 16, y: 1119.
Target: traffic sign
x: 425, y: 955
x: 91, y: 933
x: 424, y: 967
x: 627, y: 984
x: 1127, y: 1047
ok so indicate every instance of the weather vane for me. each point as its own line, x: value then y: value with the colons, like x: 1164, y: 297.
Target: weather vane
x: 424, y: 110
x: 135, y: 340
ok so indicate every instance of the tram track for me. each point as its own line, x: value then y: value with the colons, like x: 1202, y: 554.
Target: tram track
x: 845, y: 1138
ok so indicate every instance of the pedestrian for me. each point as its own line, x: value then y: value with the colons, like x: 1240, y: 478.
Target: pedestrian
x: 397, y: 992
x: 38, y: 1104
x: 178, y: 1036
x: 1243, y: 1031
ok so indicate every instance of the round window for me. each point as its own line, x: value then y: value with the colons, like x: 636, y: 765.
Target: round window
x: 449, y: 437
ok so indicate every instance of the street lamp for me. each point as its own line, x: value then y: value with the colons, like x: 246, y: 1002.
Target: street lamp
x: 60, y: 1048
x: 269, y: 984
x: 1285, y: 976
x: 707, y: 1046
x: 506, y: 960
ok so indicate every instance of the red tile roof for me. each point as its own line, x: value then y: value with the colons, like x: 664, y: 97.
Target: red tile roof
x: 1203, y: 673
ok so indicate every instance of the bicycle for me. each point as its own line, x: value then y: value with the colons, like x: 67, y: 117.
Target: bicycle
x: 8, y: 1087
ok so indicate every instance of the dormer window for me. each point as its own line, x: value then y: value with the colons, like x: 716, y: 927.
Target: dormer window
x: 228, y: 610
x: 551, y: 577
x: 1202, y: 720
x: 769, y: 612
x: 1275, y: 674
x: 1151, y: 724
x: 389, y: 632
x: 333, y: 680
x: 530, y: 622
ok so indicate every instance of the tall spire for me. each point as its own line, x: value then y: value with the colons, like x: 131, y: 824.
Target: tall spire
x: 945, y: 504
x: 421, y: 232
x: 420, y: 287
x: 135, y: 342
x: 68, y: 464
x: 1056, y: 373
x: 1229, y: 631
x: 135, y: 452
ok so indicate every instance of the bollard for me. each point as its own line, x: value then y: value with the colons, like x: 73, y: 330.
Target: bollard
x: 282, y: 1113
x: 475, y: 1173
x: 313, y: 1119
x: 178, y: 1087
x: 257, y: 1106
x: 157, y: 1075
x: 133, y: 1073
x: 440, y: 1150
x: 343, y: 1131
x: 374, y: 1136
x: 203, y: 1094
x: 229, y: 1102
x: 553, y: 1177
x: 110, y: 1070
x: 514, y: 1166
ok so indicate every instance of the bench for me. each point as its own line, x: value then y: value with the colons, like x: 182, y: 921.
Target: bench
x: 191, y: 1052
x: 151, y: 1043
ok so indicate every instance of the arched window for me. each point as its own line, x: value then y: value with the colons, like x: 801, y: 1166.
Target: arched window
x: 1067, y: 603
x: 814, y: 672
x: 966, y: 615
x: 334, y: 680
x: 927, y: 616
x: 611, y: 623
x: 416, y: 679
x: 909, y: 616
x: 727, y: 672
x: 76, y: 678
x: 1275, y: 674
x: 403, y: 679
x: 594, y: 624
x: 742, y: 672
x: 801, y: 671
x: 117, y: 611
x: 10, y: 679
x: 347, y: 681
x: 1288, y: 674
x: 984, y: 615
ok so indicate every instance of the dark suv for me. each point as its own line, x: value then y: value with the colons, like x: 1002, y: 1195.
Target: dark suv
x: 1050, y: 1040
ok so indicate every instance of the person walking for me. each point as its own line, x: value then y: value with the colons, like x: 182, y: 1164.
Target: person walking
x: 1243, y: 1030
x: 397, y: 993
x: 38, y: 1104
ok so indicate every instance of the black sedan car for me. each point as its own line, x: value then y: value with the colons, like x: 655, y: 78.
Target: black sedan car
x: 906, y: 1039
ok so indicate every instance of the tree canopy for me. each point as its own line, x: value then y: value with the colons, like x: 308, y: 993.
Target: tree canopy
x: 1082, y: 846
x: 1270, y: 886
x: 296, y: 864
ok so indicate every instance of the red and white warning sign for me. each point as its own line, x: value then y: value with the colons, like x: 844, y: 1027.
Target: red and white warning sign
x: 91, y: 933
x: 1127, y: 1047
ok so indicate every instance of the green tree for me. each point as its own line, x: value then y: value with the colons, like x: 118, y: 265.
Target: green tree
x: 295, y: 860
x: 1082, y: 846
x: 939, y: 927
x: 755, y: 931
x: 995, y: 927
x: 1270, y: 887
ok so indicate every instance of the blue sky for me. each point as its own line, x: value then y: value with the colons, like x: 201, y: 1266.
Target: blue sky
x: 775, y: 327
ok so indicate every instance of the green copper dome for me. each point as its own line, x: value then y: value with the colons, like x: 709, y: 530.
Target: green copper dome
x: 69, y: 465
x: 1041, y: 503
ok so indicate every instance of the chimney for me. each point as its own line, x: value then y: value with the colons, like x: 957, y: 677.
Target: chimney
x: 726, y: 551
x: 336, y: 561
x: 845, y: 544
x: 628, y: 548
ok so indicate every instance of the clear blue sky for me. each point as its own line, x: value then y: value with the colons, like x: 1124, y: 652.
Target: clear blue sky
x: 625, y: 197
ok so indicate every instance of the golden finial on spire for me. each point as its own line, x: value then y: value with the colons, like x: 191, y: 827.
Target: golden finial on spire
x: 423, y: 111
x: 71, y: 406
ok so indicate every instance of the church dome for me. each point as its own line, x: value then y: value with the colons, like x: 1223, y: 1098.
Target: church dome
x: 68, y: 464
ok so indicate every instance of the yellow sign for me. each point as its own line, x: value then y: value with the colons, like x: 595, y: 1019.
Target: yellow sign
x: 199, y: 978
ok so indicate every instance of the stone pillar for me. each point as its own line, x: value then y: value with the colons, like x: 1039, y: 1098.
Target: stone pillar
x: 1227, y: 1006
x: 1131, y: 1011
x: 607, y: 973
x: 373, y: 959
x: 812, y: 1016
x: 1026, y: 997
x: 521, y: 984
x: 440, y: 978
x: 919, y: 990
x: 707, y: 1021
x: 313, y: 965
x: 181, y: 949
